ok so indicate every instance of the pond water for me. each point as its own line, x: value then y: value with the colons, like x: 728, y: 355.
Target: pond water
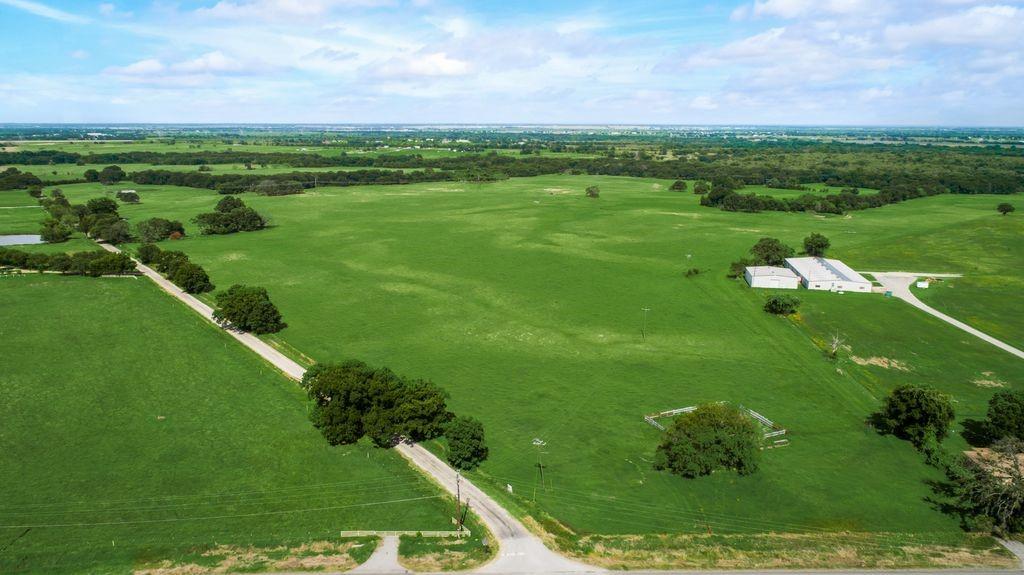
x: 20, y: 239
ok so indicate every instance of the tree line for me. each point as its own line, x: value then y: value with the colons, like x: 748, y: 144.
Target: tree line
x: 352, y: 400
x: 94, y: 263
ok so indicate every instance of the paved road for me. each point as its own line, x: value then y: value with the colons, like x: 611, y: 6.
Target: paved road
x: 899, y: 283
x: 520, y: 551
x: 262, y: 348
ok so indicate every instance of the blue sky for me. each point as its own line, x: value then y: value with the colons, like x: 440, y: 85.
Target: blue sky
x: 901, y: 62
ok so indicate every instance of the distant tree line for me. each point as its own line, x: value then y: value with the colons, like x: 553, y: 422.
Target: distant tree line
x: 93, y: 263
x: 238, y: 183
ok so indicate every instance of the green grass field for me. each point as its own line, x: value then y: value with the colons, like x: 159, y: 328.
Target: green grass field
x: 523, y: 298
x: 134, y: 432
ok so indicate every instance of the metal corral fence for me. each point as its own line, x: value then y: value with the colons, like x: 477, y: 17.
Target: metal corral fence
x: 772, y: 429
x: 463, y: 533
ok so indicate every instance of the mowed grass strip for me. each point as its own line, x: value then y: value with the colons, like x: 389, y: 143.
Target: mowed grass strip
x: 523, y: 298
x: 134, y: 432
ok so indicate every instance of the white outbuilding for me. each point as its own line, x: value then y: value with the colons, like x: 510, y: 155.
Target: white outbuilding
x: 771, y: 277
x: 829, y: 275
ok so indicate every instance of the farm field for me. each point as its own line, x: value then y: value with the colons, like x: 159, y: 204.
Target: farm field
x: 135, y: 433
x: 523, y: 298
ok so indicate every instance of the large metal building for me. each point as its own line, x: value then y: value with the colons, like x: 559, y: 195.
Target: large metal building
x: 829, y: 275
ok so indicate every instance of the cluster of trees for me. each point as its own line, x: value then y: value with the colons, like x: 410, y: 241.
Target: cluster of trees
x: 766, y: 252
x: 108, y: 175
x: 176, y: 266
x: 712, y: 437
x: 154, y: 230
x: 352, y: 400
x: 230, y: 215
x: 772, y: 252
x: 14, y: 179
x: 988, y: 490
x: 87, y: 263
x: 248, y: 308
x: 98, y: 218
x: 1005, y: 208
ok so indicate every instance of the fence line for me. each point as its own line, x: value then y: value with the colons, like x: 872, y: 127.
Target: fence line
x: 364, y: 533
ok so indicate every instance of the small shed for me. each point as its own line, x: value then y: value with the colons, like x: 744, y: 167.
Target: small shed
x: 771, y: 277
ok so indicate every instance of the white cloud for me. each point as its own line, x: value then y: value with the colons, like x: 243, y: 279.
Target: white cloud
x: 79, y: 54
x: 141, y: 68
x: 801, y: 8
x: 980, y: 25
x: 703, y: 103
x: 273, y: 9
x: 211, y: 62
x: 430, y: 64
x: 40, y: 9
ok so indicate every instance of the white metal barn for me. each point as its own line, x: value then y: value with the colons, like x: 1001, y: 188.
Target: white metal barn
x: 825, y: 274
x: 771, y: 277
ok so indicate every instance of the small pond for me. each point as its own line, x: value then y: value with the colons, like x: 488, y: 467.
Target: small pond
x: 20, y: 239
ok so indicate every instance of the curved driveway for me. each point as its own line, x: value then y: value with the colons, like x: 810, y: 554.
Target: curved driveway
x: 899, y: 284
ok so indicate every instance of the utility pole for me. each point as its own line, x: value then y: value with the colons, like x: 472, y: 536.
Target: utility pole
x: 458, y: 500
x: 539, y: 444
x: 643, y: 324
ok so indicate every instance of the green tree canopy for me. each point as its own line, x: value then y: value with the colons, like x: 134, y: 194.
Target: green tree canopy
x: 770, y: 252
x: 712, y: 437
x: 248, y: 308
x: 915, y: 412
x: 111, y: 175
x: 191, y: 277
x: 815, y: 245
x: 1005, y: 208
x: 466, y: 446
x: 1006, y: 415
x: 782, y: 304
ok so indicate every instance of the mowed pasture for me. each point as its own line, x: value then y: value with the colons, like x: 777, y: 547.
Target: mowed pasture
x: 134, y: 432
x: 523, y: 298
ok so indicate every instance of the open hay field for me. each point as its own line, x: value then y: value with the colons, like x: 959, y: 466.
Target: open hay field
x: 135, y: 435
x: 523, y: 298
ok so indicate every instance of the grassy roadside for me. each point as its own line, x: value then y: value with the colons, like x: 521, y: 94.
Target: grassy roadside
x: 418, y: 553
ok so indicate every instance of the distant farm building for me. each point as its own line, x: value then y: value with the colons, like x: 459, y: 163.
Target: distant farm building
x: 829, y: 275
x: 771, y: 277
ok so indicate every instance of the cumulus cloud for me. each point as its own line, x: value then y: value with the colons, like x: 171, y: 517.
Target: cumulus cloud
x: 980, y: 25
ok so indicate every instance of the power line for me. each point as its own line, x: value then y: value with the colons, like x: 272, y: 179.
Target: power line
x: 214, y: 517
